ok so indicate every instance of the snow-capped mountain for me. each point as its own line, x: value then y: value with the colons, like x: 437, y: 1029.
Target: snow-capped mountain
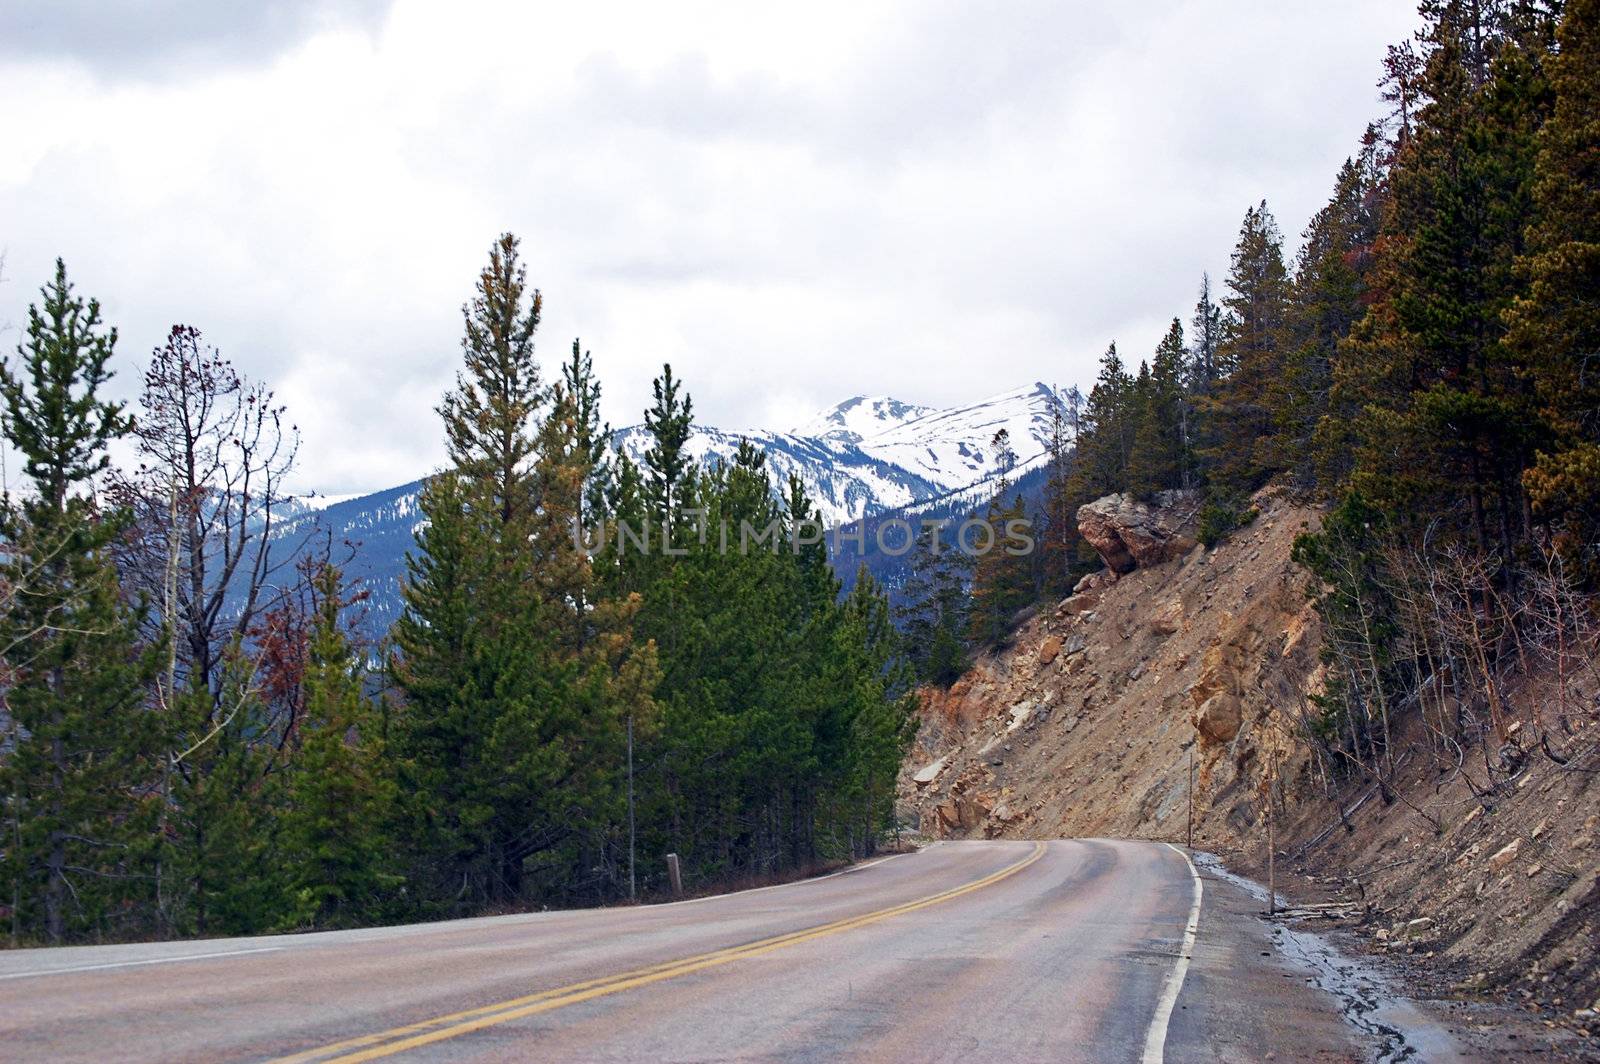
x: 869, y: 454
x: 953, y: 448
x: 855, y: 419
x: 864, y: 456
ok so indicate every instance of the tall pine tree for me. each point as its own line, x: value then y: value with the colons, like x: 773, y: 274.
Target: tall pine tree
x: 1555, y: 324
x: 1239, y: 415
x: 81, y: 781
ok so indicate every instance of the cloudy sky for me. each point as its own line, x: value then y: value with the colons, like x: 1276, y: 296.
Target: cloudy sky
x: 791, y: 203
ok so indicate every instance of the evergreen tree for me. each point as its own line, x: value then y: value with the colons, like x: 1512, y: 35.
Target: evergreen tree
x: 880, y: 719
x: 1005, y: 456
x: 1448, y: 423
x: 605, y: 673
x: 578, y: 398
x: 340, y: 866
x: 483, y: 736
x: 669, y: 423
x: 1206, y: 367
x: 1059, y: 541
x: 222, y: 868
x: 935, y: 608
x: 1239, y: 414
x: 1105, y: 446
x: 1002, y: 577
x: 1161, y: 458
x: 1555, y: 324
x: 444, y: 727
x: 1328, y: 296
x: 81, y: 779
x: 1351, y: 591
x: 488, y: 417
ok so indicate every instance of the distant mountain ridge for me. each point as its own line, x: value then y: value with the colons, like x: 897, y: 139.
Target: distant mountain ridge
x: 865, y: 456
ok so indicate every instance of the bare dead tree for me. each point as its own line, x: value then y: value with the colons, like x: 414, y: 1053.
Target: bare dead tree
x: 1563, y: 632
x: 214, y: 449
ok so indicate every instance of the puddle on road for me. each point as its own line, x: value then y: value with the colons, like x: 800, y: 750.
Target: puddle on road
x: 1366, y: 996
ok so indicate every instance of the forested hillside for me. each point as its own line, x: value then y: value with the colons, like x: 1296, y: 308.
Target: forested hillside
x: 1341, y: 619
x: 1424, y: 364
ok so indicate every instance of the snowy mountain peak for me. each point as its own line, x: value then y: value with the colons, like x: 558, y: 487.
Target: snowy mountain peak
x: 860, y: 417
x: 875, y: 453
x: 955, y: 447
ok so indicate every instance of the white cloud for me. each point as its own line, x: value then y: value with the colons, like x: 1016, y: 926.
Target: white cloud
x: 792, y: 203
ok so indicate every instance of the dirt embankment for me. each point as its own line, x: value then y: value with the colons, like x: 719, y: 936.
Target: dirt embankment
x: 1090, y: 721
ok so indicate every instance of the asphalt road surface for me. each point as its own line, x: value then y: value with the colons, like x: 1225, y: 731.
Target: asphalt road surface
x: 1081, y: 950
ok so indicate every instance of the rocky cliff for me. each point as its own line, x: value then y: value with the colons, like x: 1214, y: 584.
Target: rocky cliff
x: 1085, y: 723
x: 1174, y: 660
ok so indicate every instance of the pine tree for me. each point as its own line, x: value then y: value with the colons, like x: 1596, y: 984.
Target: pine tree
x: 1059, y: 540
x: 1239, y: 417
x: 1448, y: 423
x: 1555, y: 325
x: 222, y: 869
x: 1206, y: 367
x: 81, y: 779
x: 487, y: 417
x: 669, y: 423
x: 444, y: 727
x: 1002, y: 578
x: 603, y: 670
x: 880, y: 719
x: 483, y: 734
x: 339, y: 861
x: 935, y: 608
x: 1328, y: 296
x: 578, y: 397
x: 1105, y: 446
x: 1161, y: 459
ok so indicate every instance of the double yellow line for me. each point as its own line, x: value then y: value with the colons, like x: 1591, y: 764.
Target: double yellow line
x: 452, y: 1025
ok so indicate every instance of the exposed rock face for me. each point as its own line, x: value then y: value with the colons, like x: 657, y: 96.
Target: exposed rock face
x: 1082, y: 724
x: 1129, y: 534
x: 1217, y: 655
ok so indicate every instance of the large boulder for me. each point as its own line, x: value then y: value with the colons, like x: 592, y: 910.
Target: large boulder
x: 1218, y: 719
x: 1129, y: 533
x: 1218, y: 712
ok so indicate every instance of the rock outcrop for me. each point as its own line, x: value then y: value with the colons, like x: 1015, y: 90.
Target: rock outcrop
x: 1129, y: 534
x: 1083, y: 723
x: 1218, y: 713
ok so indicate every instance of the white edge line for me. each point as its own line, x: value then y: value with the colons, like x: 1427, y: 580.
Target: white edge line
x: 133, y: 964
x: 1155, y: 1043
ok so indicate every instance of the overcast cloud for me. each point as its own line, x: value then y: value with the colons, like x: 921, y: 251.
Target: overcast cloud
x: 791, y: 203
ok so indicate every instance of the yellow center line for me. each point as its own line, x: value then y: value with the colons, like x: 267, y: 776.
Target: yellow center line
x: 452, y: 1025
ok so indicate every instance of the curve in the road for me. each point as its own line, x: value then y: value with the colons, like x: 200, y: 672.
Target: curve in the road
x: 413, y: 1036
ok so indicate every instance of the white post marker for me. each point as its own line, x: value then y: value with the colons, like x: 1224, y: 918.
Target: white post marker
x: 1155, y: 1043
